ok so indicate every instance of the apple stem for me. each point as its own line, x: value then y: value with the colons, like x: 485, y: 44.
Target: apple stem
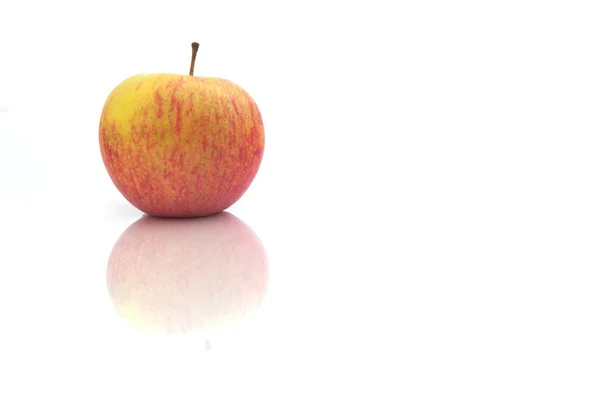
x: 194, y: 52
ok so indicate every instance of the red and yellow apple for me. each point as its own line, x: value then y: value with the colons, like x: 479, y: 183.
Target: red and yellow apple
x: 181, y: 145
x: 200, y: 275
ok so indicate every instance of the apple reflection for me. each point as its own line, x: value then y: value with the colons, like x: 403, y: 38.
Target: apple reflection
x: 187, y: 275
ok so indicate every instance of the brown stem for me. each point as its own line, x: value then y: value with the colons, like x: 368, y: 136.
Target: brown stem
x: 194, y: 52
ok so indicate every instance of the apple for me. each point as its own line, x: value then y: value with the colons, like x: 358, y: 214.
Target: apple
x: 181, y: 145
x: 199, y: 275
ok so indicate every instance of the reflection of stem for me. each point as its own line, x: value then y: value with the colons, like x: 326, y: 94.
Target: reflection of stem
x: 207, y: 346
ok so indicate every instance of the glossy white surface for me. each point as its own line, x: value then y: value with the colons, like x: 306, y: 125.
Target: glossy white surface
x: 428, y: 205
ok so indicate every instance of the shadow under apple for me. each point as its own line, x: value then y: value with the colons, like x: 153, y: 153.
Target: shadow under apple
x: 196, y: 275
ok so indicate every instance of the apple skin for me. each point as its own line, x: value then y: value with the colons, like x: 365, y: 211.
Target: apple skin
x: 181, y: 145
x: 198, y: 275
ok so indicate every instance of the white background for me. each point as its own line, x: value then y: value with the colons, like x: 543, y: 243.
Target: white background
x: 429, y: 199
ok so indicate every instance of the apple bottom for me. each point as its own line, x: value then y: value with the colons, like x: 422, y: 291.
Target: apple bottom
x: 181, y: 199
